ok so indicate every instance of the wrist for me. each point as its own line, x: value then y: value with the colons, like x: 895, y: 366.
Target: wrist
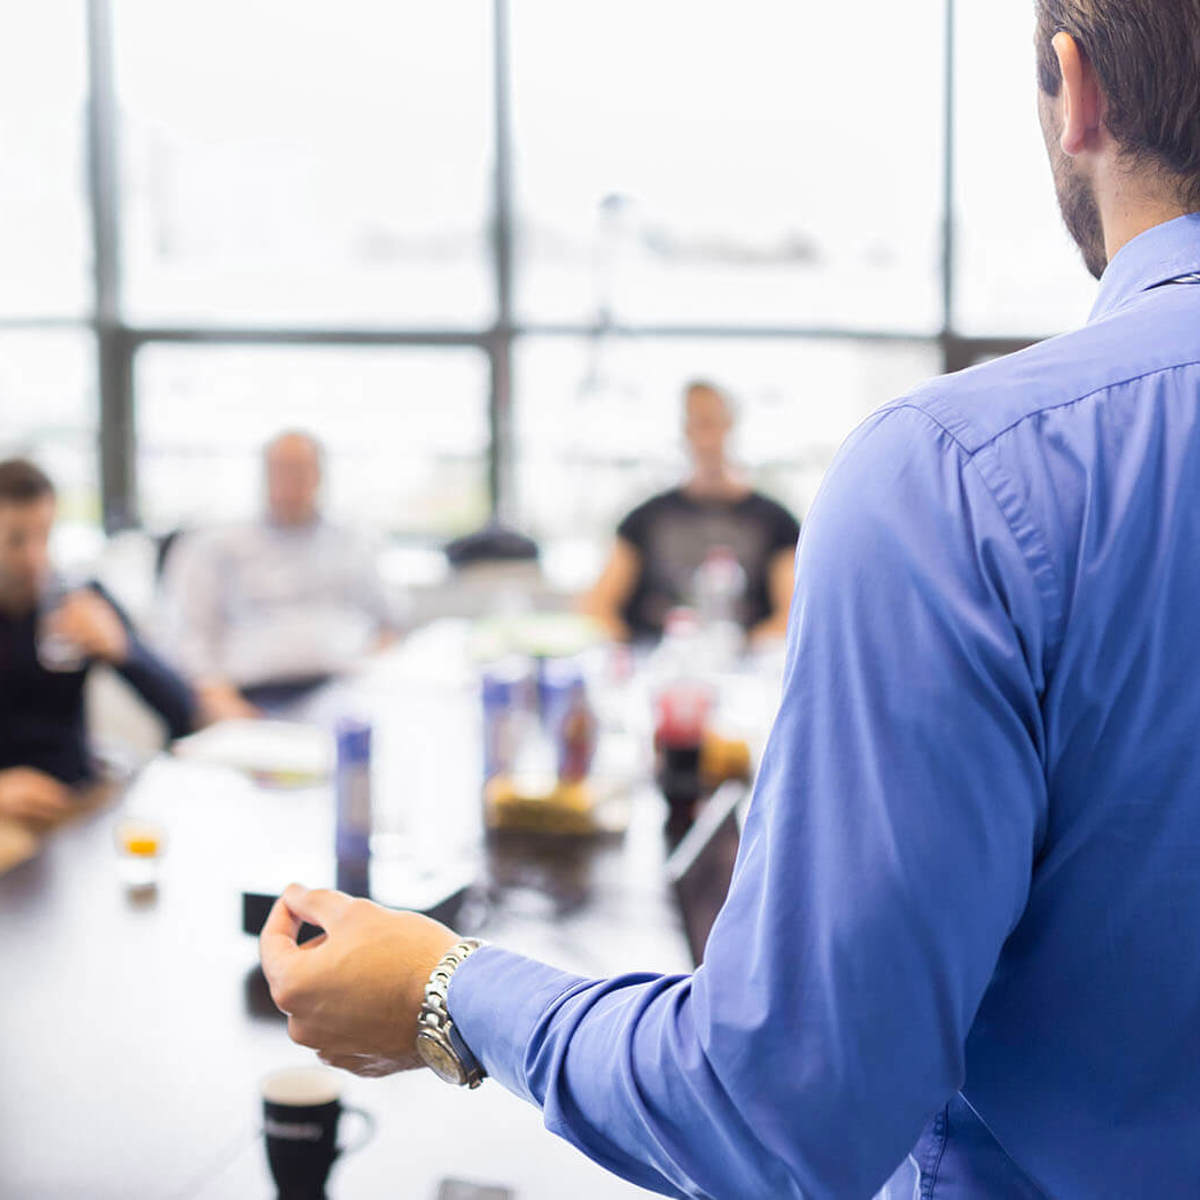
x: 116, y: 653
x: 439, y: 1044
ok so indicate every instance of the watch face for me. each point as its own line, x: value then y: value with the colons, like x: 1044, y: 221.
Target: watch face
x: 439, y: 1058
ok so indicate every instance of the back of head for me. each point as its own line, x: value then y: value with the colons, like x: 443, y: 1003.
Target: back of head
x: 1146, y: 54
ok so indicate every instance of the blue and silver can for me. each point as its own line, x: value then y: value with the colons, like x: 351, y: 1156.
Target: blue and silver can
x: 558, y: 680
x: 353, y: 786
x: 506, y: 686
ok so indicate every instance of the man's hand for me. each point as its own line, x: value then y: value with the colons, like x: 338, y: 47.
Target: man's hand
x: 33, y: 797
x: 88, y: 621
x: 353, y: 994
x: 221, y: 701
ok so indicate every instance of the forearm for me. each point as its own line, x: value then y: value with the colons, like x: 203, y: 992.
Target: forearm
x: 780, y: 587
x: 613, y: 626
x: 773, y: 626
x: 604, y: 613
x: 606, y: 600
x: 621, y: 1073
x: 219, y: 700
x: 160, y: 687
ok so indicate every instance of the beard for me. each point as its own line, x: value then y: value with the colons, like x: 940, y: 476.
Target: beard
x: 1080, y: 212
x: 1076, y: 197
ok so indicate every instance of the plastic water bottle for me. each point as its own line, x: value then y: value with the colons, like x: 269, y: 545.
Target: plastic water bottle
x: 720, y: 587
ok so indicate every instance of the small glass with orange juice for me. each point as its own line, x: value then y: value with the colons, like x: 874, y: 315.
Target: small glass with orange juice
x: 140, y: 845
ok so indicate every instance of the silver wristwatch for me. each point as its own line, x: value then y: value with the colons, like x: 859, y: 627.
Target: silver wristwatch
x: 439, y: 1043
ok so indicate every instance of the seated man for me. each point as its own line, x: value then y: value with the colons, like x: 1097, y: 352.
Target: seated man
x: 663, y: 543
x: 258, y: 614
x: 47, y: 647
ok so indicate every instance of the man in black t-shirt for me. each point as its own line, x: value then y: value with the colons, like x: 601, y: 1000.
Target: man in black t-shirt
x: 663, y: 543
x: 43, y: 742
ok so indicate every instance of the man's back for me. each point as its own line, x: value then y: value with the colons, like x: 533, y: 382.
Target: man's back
x: 1081, y: 1059
x: 969, y: 870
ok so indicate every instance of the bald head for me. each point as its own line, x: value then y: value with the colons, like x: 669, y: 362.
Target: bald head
x: 292, y: 465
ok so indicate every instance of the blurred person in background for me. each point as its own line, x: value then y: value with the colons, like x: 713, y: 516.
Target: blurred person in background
x: 50, y: 637
x: 663, y: 543
x: 258, y: 614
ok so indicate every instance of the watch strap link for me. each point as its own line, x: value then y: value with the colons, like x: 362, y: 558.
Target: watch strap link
x: 435, y: 1016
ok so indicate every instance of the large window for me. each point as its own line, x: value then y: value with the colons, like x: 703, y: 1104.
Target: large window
x: 714, y: 164
x: 1018, y: 271
x: 45, y: 260
x: 48, y: 411
x: 478, y: 248
x: 48, y: 376
x: 306, y: 163
x: 405, y: 431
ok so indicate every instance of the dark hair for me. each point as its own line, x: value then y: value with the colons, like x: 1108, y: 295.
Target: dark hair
x: 1146, y: 54
x: 21, y: 482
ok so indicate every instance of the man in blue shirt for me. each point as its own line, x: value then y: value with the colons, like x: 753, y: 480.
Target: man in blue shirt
x: 960, y: 929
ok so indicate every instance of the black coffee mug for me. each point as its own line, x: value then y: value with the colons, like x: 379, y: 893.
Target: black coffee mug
x: 301, y: 1109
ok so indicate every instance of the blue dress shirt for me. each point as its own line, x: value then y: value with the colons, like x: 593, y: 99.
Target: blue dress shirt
x: 961, y: 922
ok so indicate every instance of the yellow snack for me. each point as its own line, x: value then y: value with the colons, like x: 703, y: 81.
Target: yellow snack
x: 567, y: 808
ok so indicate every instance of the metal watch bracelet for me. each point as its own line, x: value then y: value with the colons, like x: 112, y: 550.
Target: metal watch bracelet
x: 438, y: 1042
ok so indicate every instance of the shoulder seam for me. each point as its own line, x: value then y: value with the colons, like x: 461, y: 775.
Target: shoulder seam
x: 1049, y: 408
x: 1037, y: 559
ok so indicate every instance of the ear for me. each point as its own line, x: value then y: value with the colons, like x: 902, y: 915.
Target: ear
x: 1082, y: 99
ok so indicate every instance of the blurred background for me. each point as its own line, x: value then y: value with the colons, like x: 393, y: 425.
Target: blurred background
x: 478, y: 248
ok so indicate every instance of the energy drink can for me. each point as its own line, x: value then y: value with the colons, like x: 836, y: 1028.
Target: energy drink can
x: 505, y: 712
x: 353, y: 785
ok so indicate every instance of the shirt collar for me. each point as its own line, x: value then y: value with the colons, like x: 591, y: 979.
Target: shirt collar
x: 1163, y: 252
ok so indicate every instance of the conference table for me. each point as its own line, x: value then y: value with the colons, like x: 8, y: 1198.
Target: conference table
x: 134, y: 1026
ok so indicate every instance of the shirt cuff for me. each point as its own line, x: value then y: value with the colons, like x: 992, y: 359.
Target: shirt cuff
x: 496, y: 1000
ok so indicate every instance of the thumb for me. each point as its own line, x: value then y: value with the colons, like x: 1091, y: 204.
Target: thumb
x: 318, y: 906
x: 277, y: 941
